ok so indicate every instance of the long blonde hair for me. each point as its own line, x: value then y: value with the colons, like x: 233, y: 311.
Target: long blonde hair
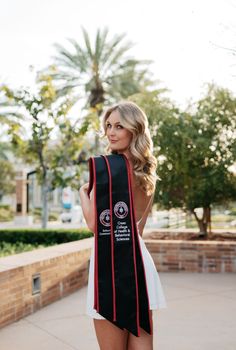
x: 144, y: 163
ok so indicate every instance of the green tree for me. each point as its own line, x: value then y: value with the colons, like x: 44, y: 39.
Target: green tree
x: 50, y: 141
x: 7, y: 175
x: 194, y: 151
x: 9, y: 118
x: 9, y: 113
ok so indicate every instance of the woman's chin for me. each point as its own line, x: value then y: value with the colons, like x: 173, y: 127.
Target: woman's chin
x: 114, y: 147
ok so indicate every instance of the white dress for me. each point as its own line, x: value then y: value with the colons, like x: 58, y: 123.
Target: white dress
x: 155, y: 292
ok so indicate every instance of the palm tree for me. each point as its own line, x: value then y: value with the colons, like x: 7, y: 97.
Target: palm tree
x: 101, y: 73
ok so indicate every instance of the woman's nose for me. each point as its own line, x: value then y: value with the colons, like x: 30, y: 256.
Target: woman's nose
x: 112, y: 131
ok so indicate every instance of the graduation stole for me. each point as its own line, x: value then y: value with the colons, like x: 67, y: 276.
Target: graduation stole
x: 120, y: 290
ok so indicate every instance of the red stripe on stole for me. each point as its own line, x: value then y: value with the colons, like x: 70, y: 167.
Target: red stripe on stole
x: 96, y: 292
x: 132, y: 200
x: 134, y: 250
x: 112, y: 241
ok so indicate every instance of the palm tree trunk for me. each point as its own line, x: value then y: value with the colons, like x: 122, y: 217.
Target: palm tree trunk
x: 99, y: 109
x: 97, y: 143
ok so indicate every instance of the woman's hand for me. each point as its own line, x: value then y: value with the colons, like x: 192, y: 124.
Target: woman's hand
x: 84, y: 188
x: 87, y: 204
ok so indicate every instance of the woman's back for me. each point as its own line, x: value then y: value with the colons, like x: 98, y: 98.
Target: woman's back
x: 142, y: 201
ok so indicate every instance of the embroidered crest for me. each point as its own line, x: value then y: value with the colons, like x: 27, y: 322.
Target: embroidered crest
x: 105, y: 218
x: 121, y: 210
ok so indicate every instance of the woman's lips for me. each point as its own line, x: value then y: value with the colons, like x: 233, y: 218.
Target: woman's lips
x: 113, y: 141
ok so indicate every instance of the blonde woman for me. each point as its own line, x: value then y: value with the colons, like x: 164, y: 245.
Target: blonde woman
x: 126, y: 129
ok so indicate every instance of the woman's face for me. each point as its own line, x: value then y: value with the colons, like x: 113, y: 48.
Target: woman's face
x: 119, y: 138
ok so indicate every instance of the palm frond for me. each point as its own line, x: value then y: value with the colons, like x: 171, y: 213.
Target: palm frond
x: 87, y: 42
x: 111, y: 46
x: 100, y: 44
x: 82, y: 57
x: 92, y: 71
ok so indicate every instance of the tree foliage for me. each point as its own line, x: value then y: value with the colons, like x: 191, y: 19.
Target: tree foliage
x: 7, y: 175
x: 194, y: 151
x: 100, y: 71
x: 51, y: 142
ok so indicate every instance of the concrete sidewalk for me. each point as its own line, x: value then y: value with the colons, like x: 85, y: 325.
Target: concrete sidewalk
x: 200, y: 315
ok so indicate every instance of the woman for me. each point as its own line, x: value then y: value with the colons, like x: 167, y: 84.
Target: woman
x: 126, y: 129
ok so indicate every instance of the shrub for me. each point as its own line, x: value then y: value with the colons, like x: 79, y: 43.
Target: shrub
x: 6, y: 213
x: 14, y: 241
x: 9, y: 248
x: 43, y: 236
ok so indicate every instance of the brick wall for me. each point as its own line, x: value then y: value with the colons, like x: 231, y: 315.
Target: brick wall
x: 62, y: 269
x: 194, y: 256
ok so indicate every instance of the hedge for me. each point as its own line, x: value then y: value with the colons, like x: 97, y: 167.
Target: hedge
x: 43, y: 236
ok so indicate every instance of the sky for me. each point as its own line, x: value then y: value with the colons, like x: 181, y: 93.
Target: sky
x: 189, y: 41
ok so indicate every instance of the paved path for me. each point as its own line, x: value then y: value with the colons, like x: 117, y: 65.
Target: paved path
x: 201, y: 315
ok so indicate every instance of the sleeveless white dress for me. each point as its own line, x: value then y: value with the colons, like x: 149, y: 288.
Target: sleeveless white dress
x: 155, y: 291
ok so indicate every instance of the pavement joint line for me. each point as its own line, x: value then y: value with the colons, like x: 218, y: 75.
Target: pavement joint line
x: 59, y: 318
x: 199, y: 290
x: 51, y: 334
x: 196, y: 296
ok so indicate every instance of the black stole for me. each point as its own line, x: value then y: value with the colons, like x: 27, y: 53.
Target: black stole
x: 120, y: 290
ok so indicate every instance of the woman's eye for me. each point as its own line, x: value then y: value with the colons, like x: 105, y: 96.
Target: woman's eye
x: 118, y: 126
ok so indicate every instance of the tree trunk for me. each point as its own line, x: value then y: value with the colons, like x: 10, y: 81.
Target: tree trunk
x: 204, y: 222
x: 97, y: 141
x: 209, y: 221
x: 97, y: 144
x: 202, y: 227
x: 96, y: 101
x: 44, y: 203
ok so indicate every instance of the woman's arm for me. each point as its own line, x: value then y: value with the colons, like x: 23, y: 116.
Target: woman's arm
x: 148, y: 209
x: 87, y: 204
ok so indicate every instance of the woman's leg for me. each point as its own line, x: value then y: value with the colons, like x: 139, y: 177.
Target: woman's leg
x: 109, y: 336
x: 144, y: 342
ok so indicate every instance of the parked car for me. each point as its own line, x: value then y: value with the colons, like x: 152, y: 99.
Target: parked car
x: 73, y: 215
x: 66, y: 216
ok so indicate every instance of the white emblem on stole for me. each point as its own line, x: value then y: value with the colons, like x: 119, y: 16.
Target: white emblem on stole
x: 105, y: 218
x: 121, y: 210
